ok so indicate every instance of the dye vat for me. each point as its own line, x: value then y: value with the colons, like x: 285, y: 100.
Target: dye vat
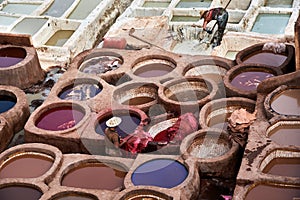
x: 290, y: 97
x: 193, y: 4
x: 25, y: 165
x: 59, y: 38
x: 20, y: 8
x: 243, y: 80
x: 130, y: 121
x: 101, y: 64
x: 165, y: 173
x: 264, y: 23
x: 143, y: 194
x: 142, y: 95
x: 273, y: 192
x: 29, y: 25
x: 279, y: 3
x: 58, y: 8
x: 59, y: 118
x: 283, y: 167
x: 80, y: 91
x: 154, y: 67
x: 10, y: 56
x: 156, y: 4
x: 266, y: 58
x: 95, y: 176
x: 7, y: 102
x: 83, y: 9
x: 20, y: 192
x: 7, y: 20
x: 181, y: 18
x: 285, y: 133
x: 74, y: 197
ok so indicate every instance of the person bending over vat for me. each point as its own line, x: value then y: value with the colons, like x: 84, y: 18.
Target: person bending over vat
x: 112, y: 138
x: 221, y: 15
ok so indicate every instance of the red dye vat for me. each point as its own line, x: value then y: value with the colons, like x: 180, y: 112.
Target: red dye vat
x: 59, y: 118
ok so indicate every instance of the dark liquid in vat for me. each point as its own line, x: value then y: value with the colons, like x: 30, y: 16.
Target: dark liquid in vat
x: 289, y: 97
x: 80, y: 92
x: 267, y: 58
x: 153, y: 70
x: 6, y: 103
x: 26, y: 166
x: 19, y: 193
x: 286, y: 135
x: 73, y: 197
x: 164, y: 173
x: 138, y: 101
x: 146, y: 198
x: 59, y: 118
x: 284, y: 167
x: 273, y: 193
x: 94, y: 176
x: 9, y: 61
x: 249, y: 80
x: 189, y: 95
x: 128, y: 125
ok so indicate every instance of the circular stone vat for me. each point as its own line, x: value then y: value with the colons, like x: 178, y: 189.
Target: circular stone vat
x: 94, y: 175
x: 81, y: 90
x: 160, y: 173
x: 256, y: 55
x: 20, y: 191
x: 281, y: 163
x: 276, y: 102
x: 144, y: 194
x: 100, y: 62
x: 61, y: 117
x: 214, y: 69
x: 285, y: 132
x: 153, y: 66
x: 141, y: 95
x: 261, y: 191
x: 185, y: 93
x: 131, y: 119
x: 32, y: 160
x: 69, y: 195
x: 215, y: 114
x: 19, y: 66
x: 157, y: 128
x: 242, y: 80
x: 7, y: 101
x: 214, y: 151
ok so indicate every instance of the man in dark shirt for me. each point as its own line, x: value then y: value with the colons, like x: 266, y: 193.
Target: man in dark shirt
x: 219, y: 14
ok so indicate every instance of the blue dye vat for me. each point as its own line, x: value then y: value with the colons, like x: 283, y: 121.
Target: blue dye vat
x: 6, y: 103
x: 128, y: 125
x: 165, y: 173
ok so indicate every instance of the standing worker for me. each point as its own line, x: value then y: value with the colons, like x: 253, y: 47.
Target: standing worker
x: 221, y: 15
x: 112, y: 138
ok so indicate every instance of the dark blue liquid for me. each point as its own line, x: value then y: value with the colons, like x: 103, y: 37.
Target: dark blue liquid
x: 6, y: 103
x: 128, y: 125
x: 80, y: 92
x: 19, y: 193
x: 166, y: 173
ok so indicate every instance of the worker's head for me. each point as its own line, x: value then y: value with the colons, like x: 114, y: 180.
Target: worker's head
x: 113, y: 122
x: 203, y: 13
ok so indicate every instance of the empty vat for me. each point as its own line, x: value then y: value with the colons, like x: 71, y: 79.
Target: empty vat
x: 83, y: 9
x: 264, y: 23
x: 285, y: 132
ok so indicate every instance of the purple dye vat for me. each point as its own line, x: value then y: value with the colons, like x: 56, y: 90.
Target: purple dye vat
x: 166, y: 173
x: 11, y: 56
x: 266, y: 58
x: 6, y: 103
x: 249, y: 80
x: 19, y: 193
x: 80, y: 92
x: 129, y: 123
x: 59, y: 118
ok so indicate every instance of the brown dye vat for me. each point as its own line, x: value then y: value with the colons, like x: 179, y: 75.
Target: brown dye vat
x: 23, y: 66
x: 16, y: 192
x: 94, y: 176
x: 283, y: 167
x: 73, y: 197
x: 144, y: 194
x: 285, y: 132
x: 153, y: 67
x: 242, y: 80
x: 26, y: 165
x: 276, y: 102
x: 262, y: 191
x: 255, y: 54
